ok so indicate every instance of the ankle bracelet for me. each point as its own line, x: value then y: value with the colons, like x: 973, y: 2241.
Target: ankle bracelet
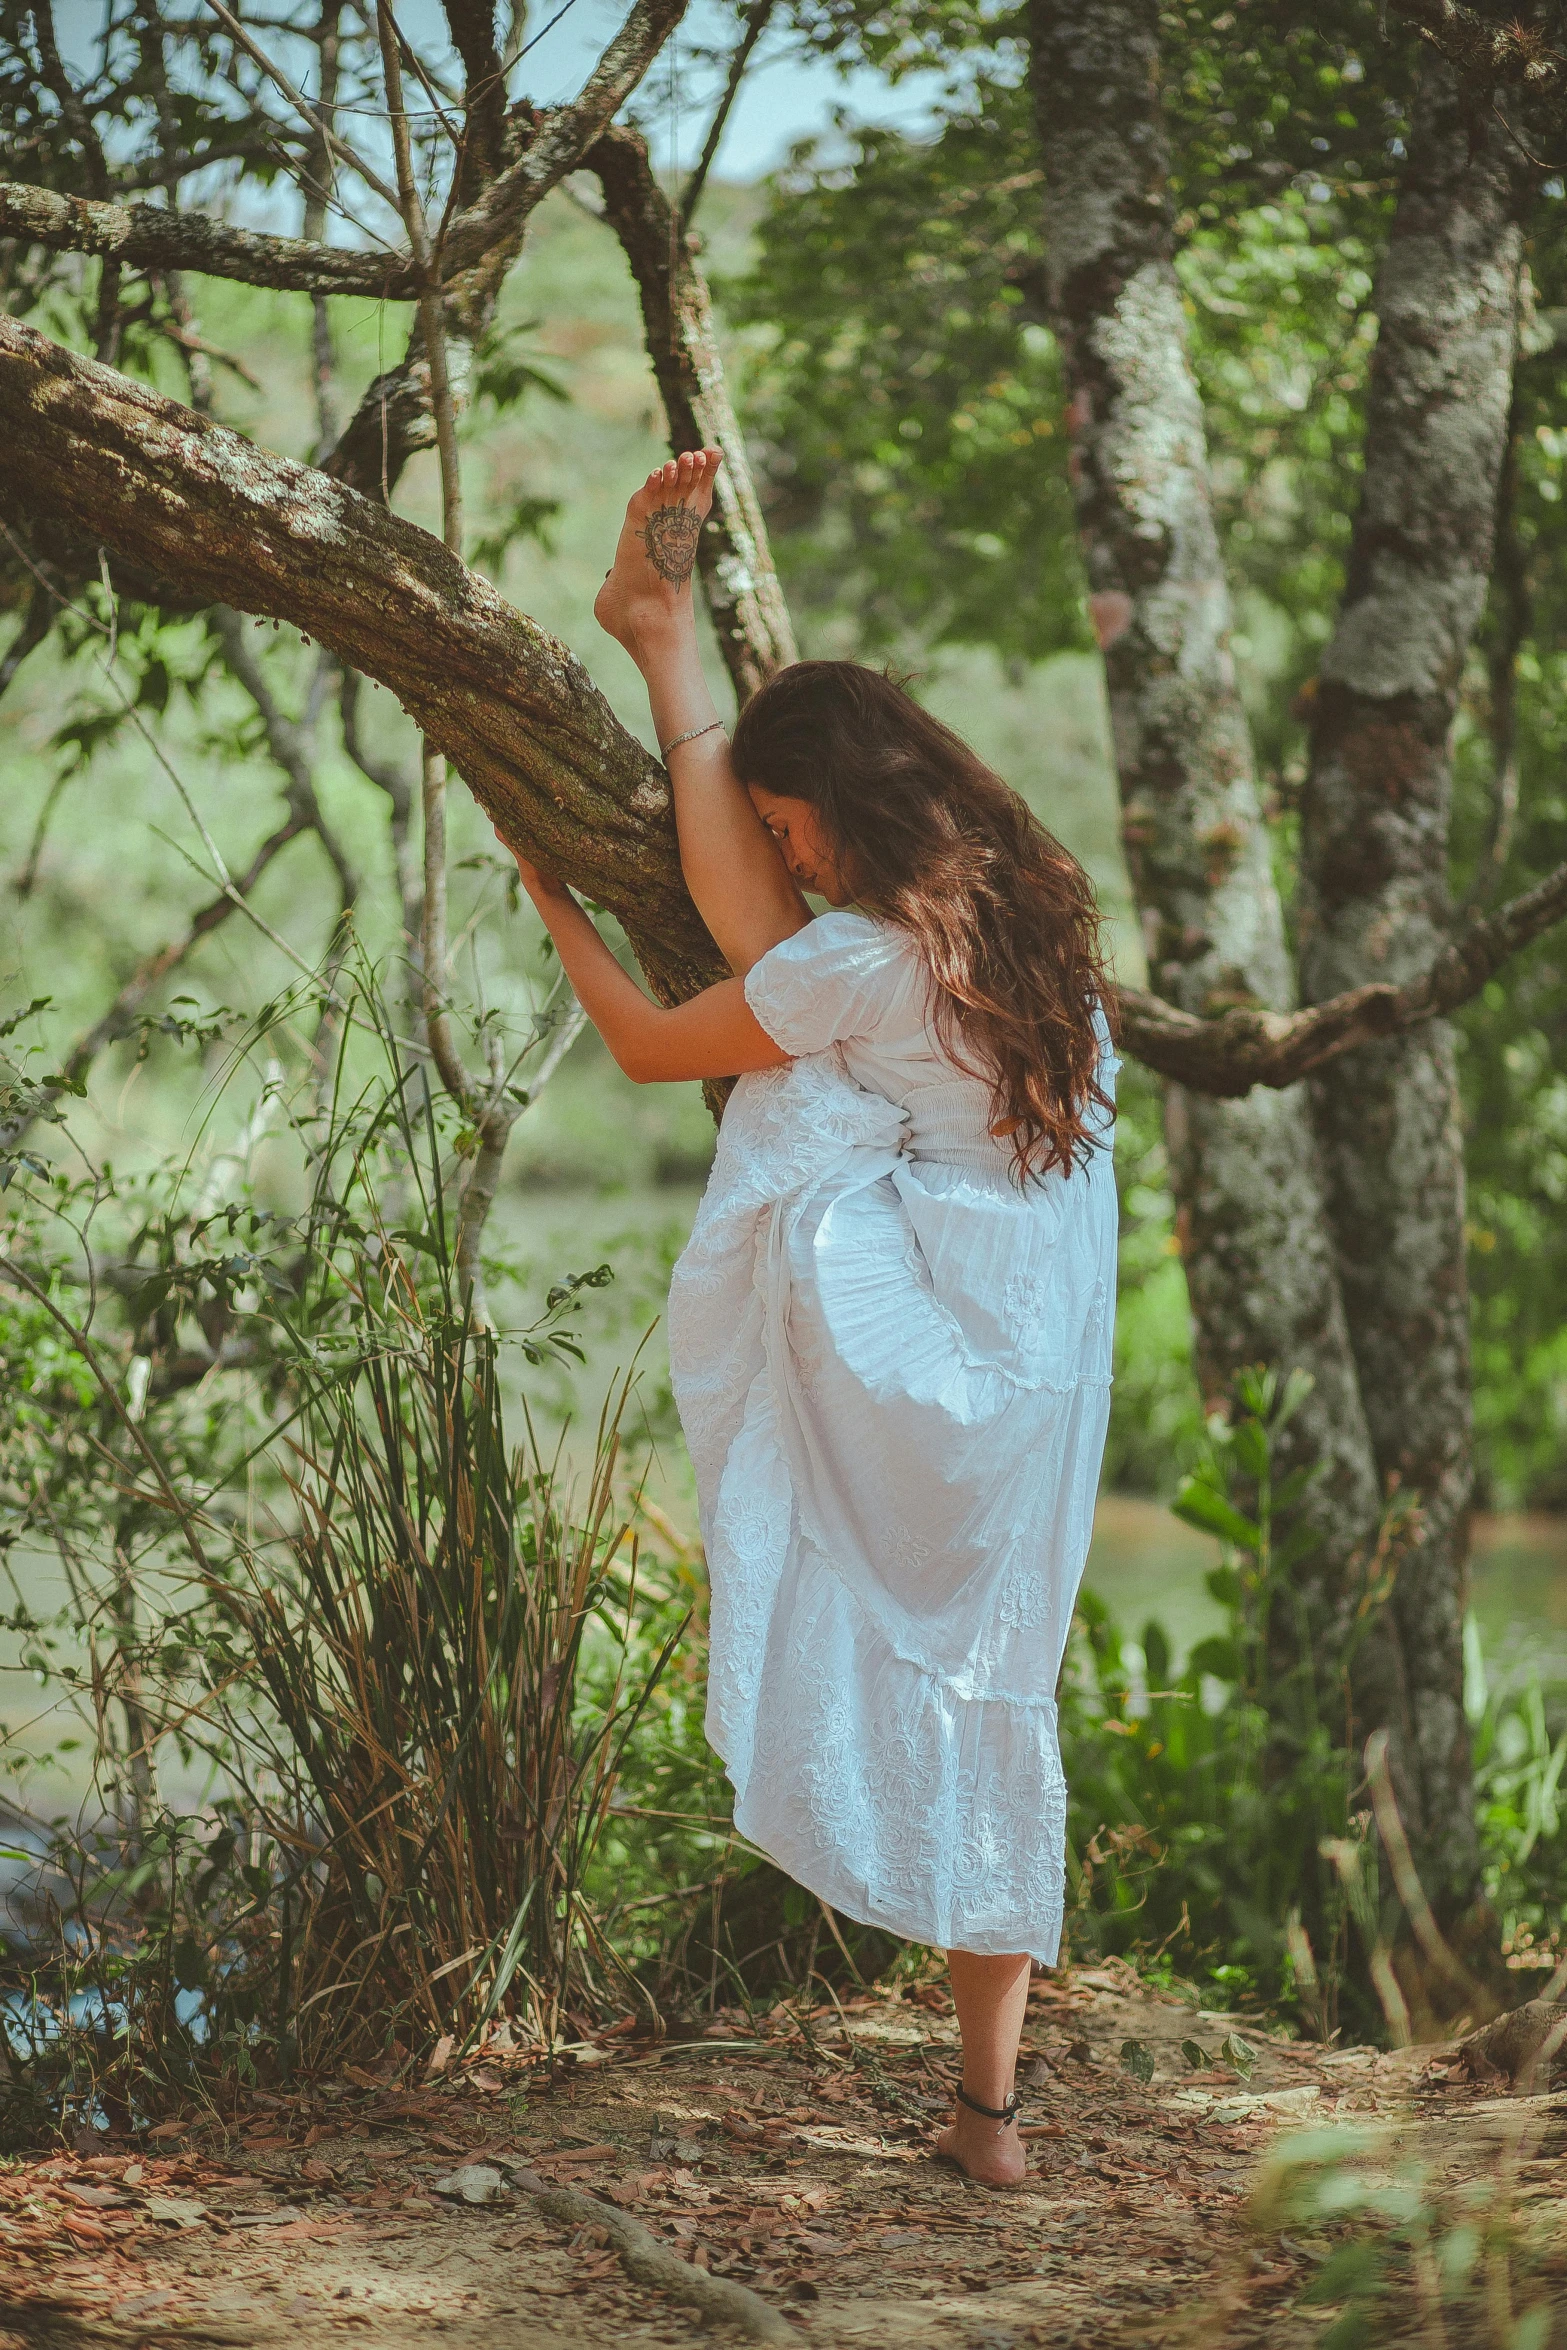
x: 992, y: 2113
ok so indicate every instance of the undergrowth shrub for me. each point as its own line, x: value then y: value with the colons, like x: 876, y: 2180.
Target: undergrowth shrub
x: 1220, y: 1826
x: 1406, y: 2254
x: 305, y: 1557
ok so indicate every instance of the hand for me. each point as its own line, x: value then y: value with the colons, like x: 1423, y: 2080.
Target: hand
x: 535, y: 880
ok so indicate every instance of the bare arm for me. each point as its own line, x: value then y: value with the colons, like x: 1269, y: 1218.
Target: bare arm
x: 716, y: 1034
x: 732, y: 866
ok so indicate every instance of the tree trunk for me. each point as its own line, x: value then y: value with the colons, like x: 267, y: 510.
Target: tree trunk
x: 1375, y: 902
x: 1254, y: 1232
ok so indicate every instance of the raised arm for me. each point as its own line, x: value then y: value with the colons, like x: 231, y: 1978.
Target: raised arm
x: 716, y: 1034
x: 742, y: 887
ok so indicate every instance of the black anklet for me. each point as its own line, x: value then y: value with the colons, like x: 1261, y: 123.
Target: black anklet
x: 992, y: 2113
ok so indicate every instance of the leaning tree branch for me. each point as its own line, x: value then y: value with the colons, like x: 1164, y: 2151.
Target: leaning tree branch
x: 563, y: 137
x: 744, y: 598
x: 512, y: 709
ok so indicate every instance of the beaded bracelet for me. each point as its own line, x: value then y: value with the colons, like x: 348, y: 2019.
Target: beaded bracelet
x: 664, y: 749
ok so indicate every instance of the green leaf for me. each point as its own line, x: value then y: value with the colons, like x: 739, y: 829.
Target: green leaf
x: 1196, y: 2056
x: 1235, y: 2051
x: 1216, y: 1655
x: 39, y: 1003
x: 1200, y: 1505
x: 1138, y: 2060
x: 1249, y: 1443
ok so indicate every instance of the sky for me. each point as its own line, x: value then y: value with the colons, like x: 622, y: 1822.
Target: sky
x: 785, y: 97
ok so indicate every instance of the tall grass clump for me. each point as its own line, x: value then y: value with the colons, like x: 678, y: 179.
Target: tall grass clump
x: 313, y: 1572
x: 418, y: 1620
x: 1404, y: 2253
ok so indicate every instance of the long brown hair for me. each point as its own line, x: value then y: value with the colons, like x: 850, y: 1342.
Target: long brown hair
x: 930, y: 839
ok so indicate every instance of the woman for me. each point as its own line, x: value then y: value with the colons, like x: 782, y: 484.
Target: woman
x: 890, y: 1331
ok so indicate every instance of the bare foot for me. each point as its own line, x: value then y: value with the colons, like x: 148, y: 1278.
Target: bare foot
x: 649, y: 583
x: 993, y: 2157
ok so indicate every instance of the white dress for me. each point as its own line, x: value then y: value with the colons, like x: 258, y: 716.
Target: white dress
x: 893, y: 1369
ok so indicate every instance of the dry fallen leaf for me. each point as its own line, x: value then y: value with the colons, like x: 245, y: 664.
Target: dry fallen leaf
x: 183, y: 2210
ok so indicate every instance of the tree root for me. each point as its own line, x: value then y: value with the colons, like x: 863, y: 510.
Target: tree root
x: 1525, y: 2046
x: 717, y: 2300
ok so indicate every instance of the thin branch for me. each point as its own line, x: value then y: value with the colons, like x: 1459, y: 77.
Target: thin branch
x: 311, y: 115
x: 321, y: 189
x: 121, y: 1016
x: 430, y: 311
x: 437, y: 1020
x: 1243, y: 1048
x: 290, y: 744
x: 757, y: 19
x: 76, y: 117
x: 36, y: 624
x: 147, y: 236
x: 389, y: 777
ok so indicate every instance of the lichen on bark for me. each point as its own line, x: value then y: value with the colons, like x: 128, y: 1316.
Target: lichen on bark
x: 1375, y: 905
x: 1255, y: 1238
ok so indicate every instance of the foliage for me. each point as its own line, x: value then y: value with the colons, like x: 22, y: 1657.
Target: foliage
x: 1395, y: 2240
x: 908, y: 416
x: 1205, y: 1807
x: 1520, y: 1750
x: 906, y: 400
x: 1213, y: 1822
x: 405, y: 1653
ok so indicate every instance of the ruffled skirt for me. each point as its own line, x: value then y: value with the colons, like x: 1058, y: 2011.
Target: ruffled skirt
x: 894, y: 1380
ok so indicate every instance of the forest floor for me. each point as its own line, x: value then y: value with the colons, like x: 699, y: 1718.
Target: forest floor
x: 797, y: 2164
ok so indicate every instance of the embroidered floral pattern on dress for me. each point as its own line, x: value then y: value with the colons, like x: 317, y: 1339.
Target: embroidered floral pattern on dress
x: 1024, y: 1302
x: 1024, y: 1602
x: 904, y: 1547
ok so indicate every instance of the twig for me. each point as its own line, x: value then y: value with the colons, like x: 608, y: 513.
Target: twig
x: 756, y: 24
x: 1411, y: 1892
x: 721, y: 2300
x: 302, y: 105
x: 430, y: 312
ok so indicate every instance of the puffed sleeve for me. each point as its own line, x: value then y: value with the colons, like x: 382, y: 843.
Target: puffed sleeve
x: 835, y: 979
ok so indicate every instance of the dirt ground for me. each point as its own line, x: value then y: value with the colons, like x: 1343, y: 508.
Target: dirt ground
x: 797, y: 2163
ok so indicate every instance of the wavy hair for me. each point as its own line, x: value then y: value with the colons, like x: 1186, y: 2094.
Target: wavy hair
x: 929, y: 838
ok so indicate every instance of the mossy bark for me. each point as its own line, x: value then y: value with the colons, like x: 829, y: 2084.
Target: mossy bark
x: 1374, y: 898
x: 1254, y: 1232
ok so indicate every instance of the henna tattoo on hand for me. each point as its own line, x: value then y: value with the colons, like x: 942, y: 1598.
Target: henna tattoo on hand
x: 669, y: 535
